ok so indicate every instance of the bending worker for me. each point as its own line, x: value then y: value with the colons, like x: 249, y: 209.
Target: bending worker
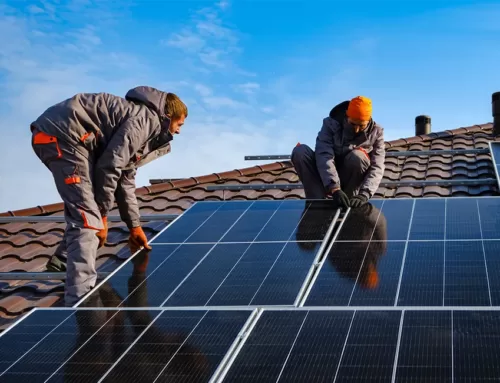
x: 348, y: 162
x: 93, y: 143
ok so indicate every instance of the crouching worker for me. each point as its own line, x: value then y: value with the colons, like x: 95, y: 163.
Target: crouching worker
x: 347, y: 164
x: 93, y: 143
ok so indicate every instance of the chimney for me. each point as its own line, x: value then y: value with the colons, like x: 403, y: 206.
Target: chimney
x: 423, y: 125
x: 495, y: 105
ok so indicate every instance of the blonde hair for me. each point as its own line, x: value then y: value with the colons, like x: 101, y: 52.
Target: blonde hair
x: 174, y: 107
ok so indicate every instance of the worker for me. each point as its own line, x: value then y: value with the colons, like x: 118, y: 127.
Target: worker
x: 93, y: 144
x: 347, y: 164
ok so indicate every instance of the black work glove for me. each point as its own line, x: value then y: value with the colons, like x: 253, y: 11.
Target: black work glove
x: 340, y: 199
x: 358, y: 201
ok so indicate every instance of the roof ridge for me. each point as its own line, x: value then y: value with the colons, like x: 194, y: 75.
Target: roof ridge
x: 214, y: 177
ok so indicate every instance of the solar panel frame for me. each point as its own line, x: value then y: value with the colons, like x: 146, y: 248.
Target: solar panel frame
x: 479, y: 203
x: 494, y: 147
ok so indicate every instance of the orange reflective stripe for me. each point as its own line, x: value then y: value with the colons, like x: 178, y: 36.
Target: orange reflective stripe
x: 86, y: 223
x: 364, y: 151
x: 42, y: 138
x: 84, y: 137
x: 72, y: 180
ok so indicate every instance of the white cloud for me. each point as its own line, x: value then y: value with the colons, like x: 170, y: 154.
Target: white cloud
x: 248, y: 88
x: 34, y: 9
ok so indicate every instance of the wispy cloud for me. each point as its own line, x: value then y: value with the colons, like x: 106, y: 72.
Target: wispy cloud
x: 207, y: 38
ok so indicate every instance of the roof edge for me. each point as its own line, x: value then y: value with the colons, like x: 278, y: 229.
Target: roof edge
x: 214, y: 177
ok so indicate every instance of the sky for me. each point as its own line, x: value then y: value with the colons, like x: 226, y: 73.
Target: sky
x: 257, y: 76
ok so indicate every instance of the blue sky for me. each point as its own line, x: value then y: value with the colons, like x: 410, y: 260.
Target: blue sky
x: 258, y: 76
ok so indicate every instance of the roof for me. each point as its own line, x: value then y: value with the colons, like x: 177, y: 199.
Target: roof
x: 28, y: 246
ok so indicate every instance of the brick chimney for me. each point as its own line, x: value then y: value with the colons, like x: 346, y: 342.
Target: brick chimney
x: 423, y: 125
x: 495, y: 106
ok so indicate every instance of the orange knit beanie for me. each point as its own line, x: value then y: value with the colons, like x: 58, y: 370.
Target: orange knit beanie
x: 360, y: 108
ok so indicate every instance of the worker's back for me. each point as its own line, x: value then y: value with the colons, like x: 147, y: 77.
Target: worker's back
x: 89, y: 120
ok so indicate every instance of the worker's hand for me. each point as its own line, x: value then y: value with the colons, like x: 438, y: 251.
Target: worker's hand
x: 137, y: 239
x: 340, y: 198
x: 103, y: 233
x: 358, y: 201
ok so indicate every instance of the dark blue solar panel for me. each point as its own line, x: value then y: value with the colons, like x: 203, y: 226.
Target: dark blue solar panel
x: 492, y: 250
x: 428, y: 222
x: 148, y: 280
x: 462, y: 219
x: 422, y: 283
x: 248, y: 221
x: 248, y: 274
x: 319, y: 346
x: 495, y: 148
x: 489, y: 211
x: 131, y: 345
x: 425, y: 351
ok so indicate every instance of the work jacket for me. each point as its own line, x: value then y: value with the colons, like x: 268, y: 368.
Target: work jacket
x: 335, y: 141
x: 119, y: 134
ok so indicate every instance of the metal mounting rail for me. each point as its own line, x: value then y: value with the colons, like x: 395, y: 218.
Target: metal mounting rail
x: 387, y: 154
x: 60, y: 218
x: 456, y: 182
x: 42, y: 275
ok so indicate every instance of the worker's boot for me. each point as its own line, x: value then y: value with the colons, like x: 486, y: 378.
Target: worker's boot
x: 55, y: 264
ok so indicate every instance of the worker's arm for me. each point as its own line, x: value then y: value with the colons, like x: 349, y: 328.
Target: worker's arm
x: 376, y: 170
x: 325, y: 155
x: 127, y: 140
x: 127, y: 200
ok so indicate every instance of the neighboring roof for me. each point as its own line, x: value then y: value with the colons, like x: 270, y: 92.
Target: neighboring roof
x: 28, y: 246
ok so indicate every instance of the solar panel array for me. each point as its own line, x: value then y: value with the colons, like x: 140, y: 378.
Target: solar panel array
x: 397, y: 290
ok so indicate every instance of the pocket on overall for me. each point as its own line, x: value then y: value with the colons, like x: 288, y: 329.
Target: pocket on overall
x: 46, y: 147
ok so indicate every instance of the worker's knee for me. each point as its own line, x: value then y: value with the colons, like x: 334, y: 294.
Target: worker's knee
x: 301, y: 154
x: 357, y: 160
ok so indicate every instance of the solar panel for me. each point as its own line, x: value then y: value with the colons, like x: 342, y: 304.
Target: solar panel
x: 119, y: 345
x: 236, y: 253
x: 370, y: 345
x: 413, y: 252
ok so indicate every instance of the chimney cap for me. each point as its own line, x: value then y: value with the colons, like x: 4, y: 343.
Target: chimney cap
x: 495, y: 97
x: 423, y: 119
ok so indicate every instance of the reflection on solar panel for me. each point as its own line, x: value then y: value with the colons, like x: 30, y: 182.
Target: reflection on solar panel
x: 404, y: 289
x: 218, y: 254
x: 119, y: 345
x: 423, y: 252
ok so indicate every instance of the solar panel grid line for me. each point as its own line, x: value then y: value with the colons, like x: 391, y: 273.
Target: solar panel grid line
x: 320, y: 255
x: 291, y: 348
x: 276, y: 260
x: 404, y: 254
x: 177, y: 351
x: 484, y: 253
x: 398, y: 345
x: 219, y: 376
x: 129, y: 347
x: 129, y: 259
x: 35, y: 345
x: 83, y: 345
x: 233, y: 349
x: 344, y: 347
x: 366, y: 252
x: 234, y: 266
x: 203, y: 258
x: 305, y: 295
x: 452, y: 351
x: 156, y: 268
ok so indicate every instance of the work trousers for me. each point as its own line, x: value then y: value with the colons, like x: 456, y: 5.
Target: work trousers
x: 73, y: 173
x: 351, y: 169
